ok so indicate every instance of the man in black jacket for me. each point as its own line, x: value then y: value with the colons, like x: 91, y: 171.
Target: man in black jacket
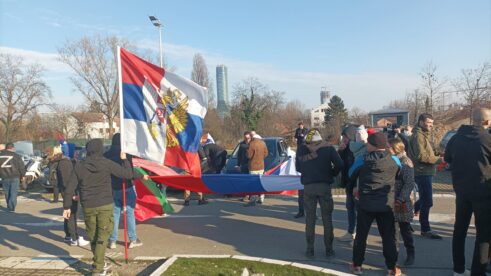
x: 377, y: 173
x: 300, y: 134
x: 12, y: 170
x: 216, y: 156
x: 114, y: 154
x: 469, y: 152
x: 242, y: 160
x: 93, y: 179
x: 319, y: 163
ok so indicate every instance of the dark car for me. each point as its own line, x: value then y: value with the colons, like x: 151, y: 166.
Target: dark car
x: 277, y: 153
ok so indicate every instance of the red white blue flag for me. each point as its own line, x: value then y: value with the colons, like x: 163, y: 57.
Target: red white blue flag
x: 161, y: 113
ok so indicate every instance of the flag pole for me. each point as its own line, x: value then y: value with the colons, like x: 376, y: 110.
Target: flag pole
x: 125, y: 225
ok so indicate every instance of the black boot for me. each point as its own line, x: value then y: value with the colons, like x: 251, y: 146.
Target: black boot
x: 410, y: 258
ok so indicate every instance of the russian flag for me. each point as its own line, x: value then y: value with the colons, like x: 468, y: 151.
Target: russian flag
x: 161, y: 113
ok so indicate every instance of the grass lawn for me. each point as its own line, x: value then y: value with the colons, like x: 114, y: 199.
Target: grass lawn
x: 228, y: 266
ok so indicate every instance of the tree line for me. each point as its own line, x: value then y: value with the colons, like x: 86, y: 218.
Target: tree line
x: 253, y: 106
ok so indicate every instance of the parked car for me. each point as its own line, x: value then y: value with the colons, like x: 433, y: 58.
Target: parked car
x: 278, y: 152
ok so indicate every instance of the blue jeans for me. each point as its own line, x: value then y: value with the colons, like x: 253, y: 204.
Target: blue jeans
x: 425, y: 201
x: 351, y: 205
x: 130, y: 213
x: 11, y: 189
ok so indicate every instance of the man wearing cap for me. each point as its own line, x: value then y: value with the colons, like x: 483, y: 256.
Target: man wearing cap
x: 12, y: 170
x: 377, y: 173
x: 423, y: 156
x: 319, y: 163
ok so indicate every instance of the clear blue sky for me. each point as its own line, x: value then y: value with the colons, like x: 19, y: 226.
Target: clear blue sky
x: 367, y: 52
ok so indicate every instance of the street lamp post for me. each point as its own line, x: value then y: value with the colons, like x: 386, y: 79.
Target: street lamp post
x: 156, y: 22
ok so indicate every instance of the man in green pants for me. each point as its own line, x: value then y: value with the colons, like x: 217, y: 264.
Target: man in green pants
x: 92, y: 177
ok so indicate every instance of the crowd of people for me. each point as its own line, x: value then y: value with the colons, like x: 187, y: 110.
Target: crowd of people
x: 380, y: 173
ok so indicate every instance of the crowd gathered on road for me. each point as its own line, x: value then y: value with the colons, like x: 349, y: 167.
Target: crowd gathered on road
x: 387, y: 178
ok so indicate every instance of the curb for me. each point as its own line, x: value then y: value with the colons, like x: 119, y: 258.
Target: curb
x: 161, y: 269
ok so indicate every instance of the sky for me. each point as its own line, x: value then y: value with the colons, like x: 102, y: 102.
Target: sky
x: 366, y: 52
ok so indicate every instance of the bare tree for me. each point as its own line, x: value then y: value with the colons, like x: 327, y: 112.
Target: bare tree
x: 474, y: 84
x: 93, y: 59
x: 62, y: 120
x: 358, y: 116
x: 251, y: 106
x: 432, y: 85
x: 201, y: 75
x: 22, y: 91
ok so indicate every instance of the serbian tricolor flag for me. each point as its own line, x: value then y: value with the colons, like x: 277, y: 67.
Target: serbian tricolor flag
x: 161, y: 113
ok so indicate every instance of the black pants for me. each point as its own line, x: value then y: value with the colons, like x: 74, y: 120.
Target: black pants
x: 464, y: 209
x: 70, y: 225
x: 318, y: 193
x: 56, y: 193
x: 406, y: 231
x: 386, y: 228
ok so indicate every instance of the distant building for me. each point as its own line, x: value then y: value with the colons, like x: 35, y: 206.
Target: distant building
x: 317, y: 114
x: 92, y: 125
x: 222, y: 91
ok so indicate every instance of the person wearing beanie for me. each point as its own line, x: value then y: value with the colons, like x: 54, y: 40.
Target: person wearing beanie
x: 361, y: 134
x: 319, y: 163
x: 376, y: 171
x: 92, y: 177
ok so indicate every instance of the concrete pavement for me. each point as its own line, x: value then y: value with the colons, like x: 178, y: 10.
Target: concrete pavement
x: 226, y: 227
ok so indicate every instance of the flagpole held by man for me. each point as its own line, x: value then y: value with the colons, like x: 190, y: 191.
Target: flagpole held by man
x: 93, y: 179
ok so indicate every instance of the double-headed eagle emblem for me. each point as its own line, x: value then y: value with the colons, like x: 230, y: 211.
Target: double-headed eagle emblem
x: 171, y: 110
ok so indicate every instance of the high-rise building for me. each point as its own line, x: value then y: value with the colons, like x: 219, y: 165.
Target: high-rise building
x: 324, y: 95
x: 222, y: 91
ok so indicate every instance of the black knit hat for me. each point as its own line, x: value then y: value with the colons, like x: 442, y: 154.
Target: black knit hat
x: 378, y: 140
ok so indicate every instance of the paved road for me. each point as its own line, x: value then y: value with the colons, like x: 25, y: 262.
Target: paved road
x: 226, y: 227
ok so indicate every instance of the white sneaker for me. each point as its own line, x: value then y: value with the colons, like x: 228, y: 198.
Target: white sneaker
x: 82, y: 242
x: 346, y: 237
x: 466, y: 273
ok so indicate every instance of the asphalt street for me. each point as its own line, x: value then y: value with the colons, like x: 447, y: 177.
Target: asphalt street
x: 226, y: 227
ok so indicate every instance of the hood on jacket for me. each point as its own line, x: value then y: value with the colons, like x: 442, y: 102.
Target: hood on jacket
x: 418, y: 129
x: 357, y: 148
x: 94, y: 151
x: 470, y: 132
x: 314, y: 146
x: 115, y: 150
x: 350, y: 132
x: 116, y: 141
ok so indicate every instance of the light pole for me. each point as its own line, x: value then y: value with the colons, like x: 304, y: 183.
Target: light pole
x: 156, y: 23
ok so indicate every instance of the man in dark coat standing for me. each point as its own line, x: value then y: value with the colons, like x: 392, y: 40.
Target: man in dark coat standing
x: 469, y: 152
x: 319, y: 163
